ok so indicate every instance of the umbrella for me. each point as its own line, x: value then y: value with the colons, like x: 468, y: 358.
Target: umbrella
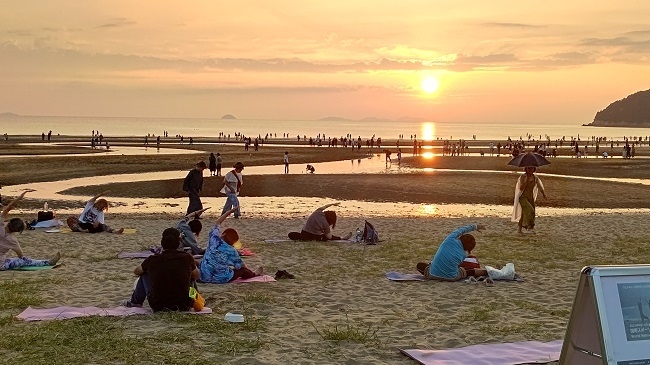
x: 528, y: 159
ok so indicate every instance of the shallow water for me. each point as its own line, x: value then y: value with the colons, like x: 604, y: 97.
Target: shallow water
x: 292, y: 206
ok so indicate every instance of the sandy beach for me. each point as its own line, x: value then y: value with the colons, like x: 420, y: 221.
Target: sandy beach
x: 340, y: 308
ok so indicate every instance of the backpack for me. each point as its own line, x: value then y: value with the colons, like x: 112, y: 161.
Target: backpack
x: 369, y: 235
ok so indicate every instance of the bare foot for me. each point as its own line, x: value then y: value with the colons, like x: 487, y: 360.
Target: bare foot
x: 347, y: 236
x: 259, y: 271
x: 119, y: 231
x: 55, y: 259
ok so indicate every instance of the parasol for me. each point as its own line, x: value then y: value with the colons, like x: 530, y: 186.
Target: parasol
x: 529, y: 159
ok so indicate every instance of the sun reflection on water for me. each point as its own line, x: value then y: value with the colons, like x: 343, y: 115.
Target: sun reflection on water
x: 429, y: 209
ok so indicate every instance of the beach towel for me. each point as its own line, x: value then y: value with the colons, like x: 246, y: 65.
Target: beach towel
x: 37, y: 268
x: 527, y: 352
x: 35, y: 314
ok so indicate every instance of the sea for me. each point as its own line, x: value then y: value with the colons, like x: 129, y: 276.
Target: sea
x: 385, y: 129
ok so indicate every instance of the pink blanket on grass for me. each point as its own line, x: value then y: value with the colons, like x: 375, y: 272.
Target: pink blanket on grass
x: 36, y: 314
x: 527, y: 352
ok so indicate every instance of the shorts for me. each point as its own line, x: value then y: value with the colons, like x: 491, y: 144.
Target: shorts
x: 462, y: 274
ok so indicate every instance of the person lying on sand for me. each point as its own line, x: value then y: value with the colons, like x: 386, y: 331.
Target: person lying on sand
x: 190, y: 227
x: 446, y: 263
x: 91, y: 219
x: 221, y: 262
x: 317, y: 227
x: 165, y: 279
x: 8, y: 241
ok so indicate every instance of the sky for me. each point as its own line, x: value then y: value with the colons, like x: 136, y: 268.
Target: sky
x: 507, y: 61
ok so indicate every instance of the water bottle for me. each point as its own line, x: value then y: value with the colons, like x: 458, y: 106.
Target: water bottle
x: 45, y: 207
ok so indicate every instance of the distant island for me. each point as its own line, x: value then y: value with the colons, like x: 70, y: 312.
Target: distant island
x: 228, y: 116
x: 630, y: 112
x: 8, y: 115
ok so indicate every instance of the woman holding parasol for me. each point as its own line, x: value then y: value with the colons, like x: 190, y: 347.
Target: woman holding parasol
x: 528, y: 186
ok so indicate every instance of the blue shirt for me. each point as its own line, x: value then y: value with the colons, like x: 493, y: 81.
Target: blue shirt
x: 218, y: 260
x: 450, y: 254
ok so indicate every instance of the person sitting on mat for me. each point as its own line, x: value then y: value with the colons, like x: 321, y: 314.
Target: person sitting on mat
x: 317, y: 227
x: 165, y: 279
x: 190, y: 227
x: 221, y: 262
x: 92, y: 218
x: 446, y: 263
x: 8, y: 241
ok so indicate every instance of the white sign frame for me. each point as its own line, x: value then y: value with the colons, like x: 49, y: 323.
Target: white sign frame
x: 603, y: 328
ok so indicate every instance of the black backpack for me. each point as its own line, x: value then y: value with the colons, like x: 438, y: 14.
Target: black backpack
x: 370, y: 235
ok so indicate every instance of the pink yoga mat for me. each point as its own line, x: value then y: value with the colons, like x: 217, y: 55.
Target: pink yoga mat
x: 528, y: 352
x: 35, y: 314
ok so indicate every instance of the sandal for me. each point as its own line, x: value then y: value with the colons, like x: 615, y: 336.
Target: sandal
x: 489, y: 282
x: 471, y: 280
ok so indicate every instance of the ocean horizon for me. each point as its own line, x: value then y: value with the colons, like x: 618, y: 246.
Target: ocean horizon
x: 330, y: 127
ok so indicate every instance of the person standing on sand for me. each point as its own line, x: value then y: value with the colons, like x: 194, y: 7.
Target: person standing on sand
x: 218, y: 164
x: 213, y: 164
x: 8, y: 241
x: 523, y: 212
x: 446, y: 263
x: 286, y: 162
x: 232, y: 183
x: 193, y: 184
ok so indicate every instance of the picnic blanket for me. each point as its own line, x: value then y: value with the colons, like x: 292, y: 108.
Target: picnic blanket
x: 38, y: 268
x: 68, y: 230
x: 526, y: 352
x: 36, y: 314
x: 400, y: 276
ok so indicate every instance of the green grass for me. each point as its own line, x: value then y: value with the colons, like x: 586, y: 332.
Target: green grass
x: 349, y: 332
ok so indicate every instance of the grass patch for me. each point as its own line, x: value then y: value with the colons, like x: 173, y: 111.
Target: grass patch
x: 349, y: 333
x: 18, y: 295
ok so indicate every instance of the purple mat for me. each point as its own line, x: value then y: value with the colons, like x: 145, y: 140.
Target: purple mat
x: 33, y: 314
x: 527, y: 352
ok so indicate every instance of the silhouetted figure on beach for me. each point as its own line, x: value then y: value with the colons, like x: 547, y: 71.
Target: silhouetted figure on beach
x: 193, y: 184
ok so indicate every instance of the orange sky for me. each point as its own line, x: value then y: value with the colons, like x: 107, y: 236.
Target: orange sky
x: 495, y: 61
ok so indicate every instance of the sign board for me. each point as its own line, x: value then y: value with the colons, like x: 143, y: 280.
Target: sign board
x: 610, y: 319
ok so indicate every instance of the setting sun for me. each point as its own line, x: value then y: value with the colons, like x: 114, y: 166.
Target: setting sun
x: 430, y: 85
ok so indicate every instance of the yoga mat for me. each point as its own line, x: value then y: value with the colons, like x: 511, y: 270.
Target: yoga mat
x: 400, y: 276
x: 143, y: 255
x: 256, y: 279
x: 37, y: 268
x: 527, y: 352
x: 48, y: 223
x: 34, y: 314
x: 280, y: 240
x: 68, y: 230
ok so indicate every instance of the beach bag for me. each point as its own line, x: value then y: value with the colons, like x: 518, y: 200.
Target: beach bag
x: 198, y: 301
x: 45, y: 216
x: 370, y: 235
x: 506, y: 273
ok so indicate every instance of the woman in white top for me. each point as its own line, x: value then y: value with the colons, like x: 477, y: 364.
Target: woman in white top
x: 92, y: 218
x: 232, y: 183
